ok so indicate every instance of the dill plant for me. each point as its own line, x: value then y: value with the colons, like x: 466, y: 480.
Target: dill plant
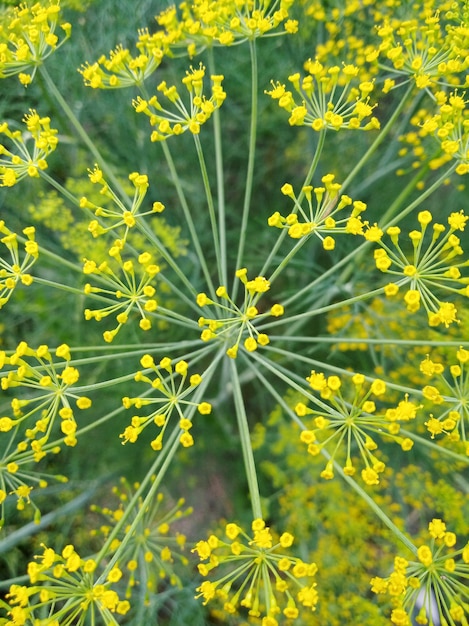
x: 315, y: 318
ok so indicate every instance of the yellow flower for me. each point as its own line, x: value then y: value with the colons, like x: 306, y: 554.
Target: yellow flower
x: 177, y: 118
x: 277, y: 587
x: 340, y: 418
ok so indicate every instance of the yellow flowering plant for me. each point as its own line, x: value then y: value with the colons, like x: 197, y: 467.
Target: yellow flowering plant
x: 265, y: 274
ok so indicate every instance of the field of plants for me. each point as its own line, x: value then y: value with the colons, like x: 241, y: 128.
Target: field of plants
x: 234, y: 324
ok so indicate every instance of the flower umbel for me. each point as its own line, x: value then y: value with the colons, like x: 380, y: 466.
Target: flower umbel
x: 23, y: 162
x: 67, y: 586
x: 198, y: 25
x: 178, y: 118
x: 233, y: 322
x: 329, y: 98
x: 451, y: 397
x: 121, y: 69
x: 423, y: 50
x: 342, y: 420
x: 28, y: 36
x: 259, y: 576
x: 450, y: 127
x: 154, y: 546
x: 133, y: 291
x: 170, y: 381
x: 440, y: 572
x: 15, y: 270
x: 322, y: 219
x: 119, y: 213
x: 428, y: 268
x: 48, y: 394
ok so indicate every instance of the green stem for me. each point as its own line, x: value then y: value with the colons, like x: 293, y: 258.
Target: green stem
x: 248, y: 456
x: 167, y: 256
x: 132, y: 349
x: 211, y: 208
x: 286, y: 259
x: 61, y: 287
x: 380, y: 341
x: 379, y: 139
x: 219, y: 170
x: 323, y: 309
x: 271, y: 389
x: 387, y: 218
x: 250, y: 164
x: 81, y: 132
x: 188, y: 217
x: 461, y: 458
x: 61, y: 189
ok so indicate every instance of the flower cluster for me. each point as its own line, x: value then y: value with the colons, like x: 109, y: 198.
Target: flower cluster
x: 119, y: 213
x: 199, y: 25
x: 329, y: 98
x: 49, y: 392
x: 131, y: 291
x: 67, y: 587
x: 172, y: 398
x: 121, y: 69
x: 179, y: 118
x: 428, y: 266
x: 321, y: 218
x: 154, y: 546
x: 28, y: 36
x: 423, y: 50
x: 15, y: 270
x: 21, y: 481
x: 452, y: 421
x: 25, y: 162
x: 340, y: 421
x: 233, y: 322
x: 260, y: 576
x: 193, y: 27
x: 450, y: 127
x: 434, y: 587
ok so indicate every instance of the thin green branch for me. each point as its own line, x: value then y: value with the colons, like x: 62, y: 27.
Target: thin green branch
x: 324, y: 309
x: 81, y: 132
x: 219, y: 170
x: 379, y: 139
x: 211, y: 208
x: 188, y: 217
x: 248, y: 456
x: 250, y: 165
x: 320, y: 339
